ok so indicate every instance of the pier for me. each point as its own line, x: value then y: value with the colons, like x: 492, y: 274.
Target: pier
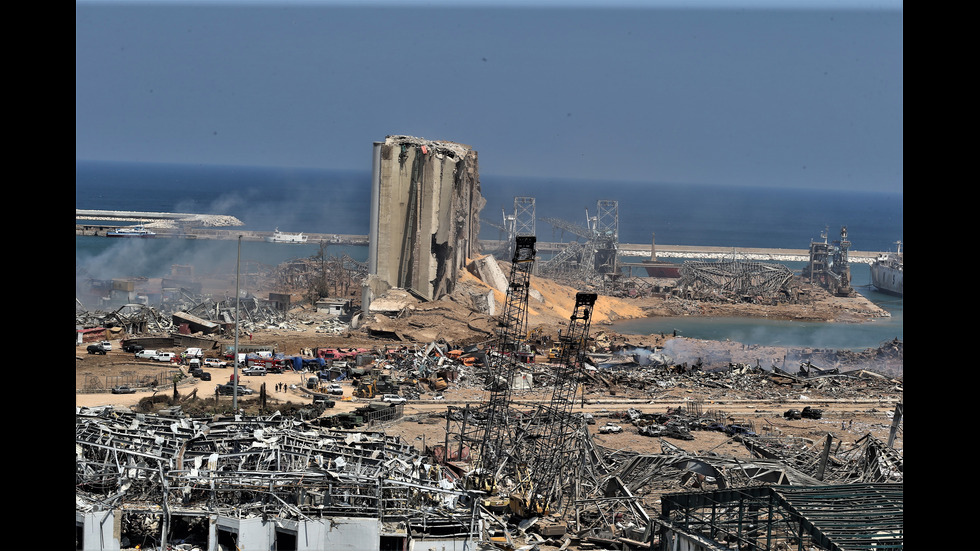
x: 187, y: 226
x: 701, y: 252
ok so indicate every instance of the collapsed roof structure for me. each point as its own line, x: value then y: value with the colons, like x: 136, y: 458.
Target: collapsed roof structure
x: 734, y: 279
x: 243, y: 482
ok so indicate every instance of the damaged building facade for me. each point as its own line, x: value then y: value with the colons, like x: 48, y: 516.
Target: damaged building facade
x: 425, y: 216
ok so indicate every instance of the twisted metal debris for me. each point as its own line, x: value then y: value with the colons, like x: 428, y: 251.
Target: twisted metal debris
x: 243, y: 467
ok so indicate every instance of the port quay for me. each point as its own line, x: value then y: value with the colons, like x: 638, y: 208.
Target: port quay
x: 210, y: 226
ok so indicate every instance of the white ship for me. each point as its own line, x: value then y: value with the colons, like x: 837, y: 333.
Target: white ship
x: 886, y: 272
x: 138, y: 230
x: 281, y: 237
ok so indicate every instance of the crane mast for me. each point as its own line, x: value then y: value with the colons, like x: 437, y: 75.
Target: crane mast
x: 552, y: 459
x: 503, y: 360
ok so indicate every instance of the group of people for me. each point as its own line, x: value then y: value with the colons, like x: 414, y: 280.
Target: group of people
x: 280, y: 387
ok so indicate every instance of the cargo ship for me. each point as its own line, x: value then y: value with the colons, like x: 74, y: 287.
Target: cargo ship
x: 886, y: 272
x: 658, y: 268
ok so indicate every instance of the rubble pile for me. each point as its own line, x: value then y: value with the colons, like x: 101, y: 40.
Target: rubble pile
x: 292, y: 467
x: 425, y: 371
x: 613, y: 493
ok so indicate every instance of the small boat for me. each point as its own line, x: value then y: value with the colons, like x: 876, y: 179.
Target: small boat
x: 281, y: 237
x: 139, y: 230
x: 887, y: 272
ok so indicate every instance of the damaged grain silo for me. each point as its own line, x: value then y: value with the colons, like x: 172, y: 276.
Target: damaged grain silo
x: 425, y: 216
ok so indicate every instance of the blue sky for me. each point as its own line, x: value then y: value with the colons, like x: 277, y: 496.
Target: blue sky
x: 720, y: 92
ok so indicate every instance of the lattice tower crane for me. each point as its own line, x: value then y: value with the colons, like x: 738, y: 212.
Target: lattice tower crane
x: 551, y: 461
x: 503, y: 359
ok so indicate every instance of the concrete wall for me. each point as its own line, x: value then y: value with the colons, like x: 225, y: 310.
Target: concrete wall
x: 331, y: 534
x: 99, y: 531
x: 426, y: 214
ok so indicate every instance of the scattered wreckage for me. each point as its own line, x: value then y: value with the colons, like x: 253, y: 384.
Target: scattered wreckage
x: 239, y: 480
x: 262, y: 477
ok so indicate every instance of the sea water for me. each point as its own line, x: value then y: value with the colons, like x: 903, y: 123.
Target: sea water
x: 327, y: 201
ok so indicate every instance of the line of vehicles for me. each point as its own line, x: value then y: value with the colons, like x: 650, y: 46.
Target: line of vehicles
x: 382, y: 388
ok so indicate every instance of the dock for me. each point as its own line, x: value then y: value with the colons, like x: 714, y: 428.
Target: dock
x: 188, y: 226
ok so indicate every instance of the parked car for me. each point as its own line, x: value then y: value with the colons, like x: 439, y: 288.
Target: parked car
x: 229, y: 390
x: 733, y: 430
x: 205, y: 376
x: 165, y: 357
x: 106, y: 345
x: 393, y: 399
x: 811, y: 413
x: 610, y: 428
x: 133, y: 348
x: 95, y: 349
x: 123, y: 389
x: 335, y: 389
x: 215, y: 362
x: 146, y: 354
x: 256, y: 370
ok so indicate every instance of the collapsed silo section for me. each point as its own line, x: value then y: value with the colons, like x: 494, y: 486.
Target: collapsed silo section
x: 425, y: 217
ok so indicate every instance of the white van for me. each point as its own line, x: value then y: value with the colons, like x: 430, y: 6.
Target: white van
x: 165, y: 357
x: 146, y: 354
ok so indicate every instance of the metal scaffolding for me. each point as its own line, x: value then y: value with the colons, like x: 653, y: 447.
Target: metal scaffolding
x: 520, y: 223
x: 597, y: 256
